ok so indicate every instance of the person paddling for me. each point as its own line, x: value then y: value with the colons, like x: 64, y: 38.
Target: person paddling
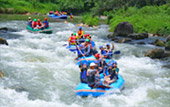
x: 109, y: 51
x: 83, y: 73
x: 100, y: 62
x: 46, y: 24
x: 102, y: 51
x: 112, y: 74
x: 80, y: 51
x: 80, y: 35
x: 88, y: 48
x: 34, y: 24
x: 39, y: 24
x: 29, y: 22
x: 72, y: 39
x: 93, y: 76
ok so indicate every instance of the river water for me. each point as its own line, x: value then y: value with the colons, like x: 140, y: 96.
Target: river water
x: 46, y: 70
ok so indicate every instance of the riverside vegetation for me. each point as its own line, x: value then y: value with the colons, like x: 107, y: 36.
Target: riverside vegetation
x: 145, y: 15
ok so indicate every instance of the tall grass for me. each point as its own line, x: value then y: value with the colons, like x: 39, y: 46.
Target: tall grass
x: 22, y: 6
x: 152, y: 19
x: 90, y: 20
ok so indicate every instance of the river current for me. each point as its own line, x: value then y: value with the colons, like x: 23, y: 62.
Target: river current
x: 46, y: 71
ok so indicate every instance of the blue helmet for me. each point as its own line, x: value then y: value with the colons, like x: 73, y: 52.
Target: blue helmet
x: 100, y: 47
x: 115, y: 62
x: 110, y: 65
x: 108, y: 44
x: 80, y: 27
x: 85, y: 63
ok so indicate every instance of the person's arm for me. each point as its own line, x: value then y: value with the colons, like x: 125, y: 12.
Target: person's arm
x: 104, y: 71
x: 88, y: 50
x: 112, y: 47
x: 87, y: 72
x: 107, y: 51
x: 117, y: 71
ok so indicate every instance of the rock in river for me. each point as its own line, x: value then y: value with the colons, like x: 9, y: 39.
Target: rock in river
x: 155, y: 53
x: 3, y: 41
x: 123, y: 29
x: 124, y: 40
x: 138, y: 36
x: 159, y: 42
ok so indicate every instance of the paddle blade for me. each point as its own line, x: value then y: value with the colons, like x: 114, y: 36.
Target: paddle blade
x: 117, y: 52
x: 65, y: 45
x: 2, y: 74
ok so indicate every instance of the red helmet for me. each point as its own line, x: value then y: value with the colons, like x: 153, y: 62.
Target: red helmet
x: 97, y: 55
x: 45, y: 19
x: 86, y: 35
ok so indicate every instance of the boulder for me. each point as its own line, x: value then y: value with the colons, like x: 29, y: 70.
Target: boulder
x: 3, y: 41
x: 124, y: 40
x: 159, y: 42
x: 123, y: 29
x: 155, y: 53
x: 138, y: 36
x: 5, y: 29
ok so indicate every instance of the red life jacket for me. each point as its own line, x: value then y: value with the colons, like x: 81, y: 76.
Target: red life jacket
x: 39, y: 23
x: 73, y: 39
x: 34, y: 24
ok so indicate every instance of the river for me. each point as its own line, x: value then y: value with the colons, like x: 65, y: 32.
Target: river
x: 46, y: 70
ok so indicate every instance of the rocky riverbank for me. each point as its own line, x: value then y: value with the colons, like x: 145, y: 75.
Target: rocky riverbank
x: 124, y: 33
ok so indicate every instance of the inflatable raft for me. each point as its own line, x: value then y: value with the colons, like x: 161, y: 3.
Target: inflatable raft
x: 71, y: 48
x: 47, y: 30
x: 84, y: 89
x: 58, y: 17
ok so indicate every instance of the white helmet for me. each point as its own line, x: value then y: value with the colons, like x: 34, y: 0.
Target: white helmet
x: 92, y: 64
x: 29, y: 17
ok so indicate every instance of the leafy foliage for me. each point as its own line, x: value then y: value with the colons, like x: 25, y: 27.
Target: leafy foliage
x: 96, y: 7
x: 152, y: 19
x: 90, y: 20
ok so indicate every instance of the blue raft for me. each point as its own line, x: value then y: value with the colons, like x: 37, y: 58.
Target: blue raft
x: 84, y: 90
x: 71, y: 48
x: 58, y: 17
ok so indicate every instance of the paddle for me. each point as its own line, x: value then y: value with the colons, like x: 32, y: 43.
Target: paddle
x: 81, y: 52
x: 2, y: 75
x: 65, y: 45
x: 116, y: 52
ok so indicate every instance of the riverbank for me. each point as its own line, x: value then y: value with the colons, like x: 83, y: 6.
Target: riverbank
x: 149, y: 19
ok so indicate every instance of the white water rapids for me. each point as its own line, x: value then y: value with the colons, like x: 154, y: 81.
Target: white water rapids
x: 46, y: 70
